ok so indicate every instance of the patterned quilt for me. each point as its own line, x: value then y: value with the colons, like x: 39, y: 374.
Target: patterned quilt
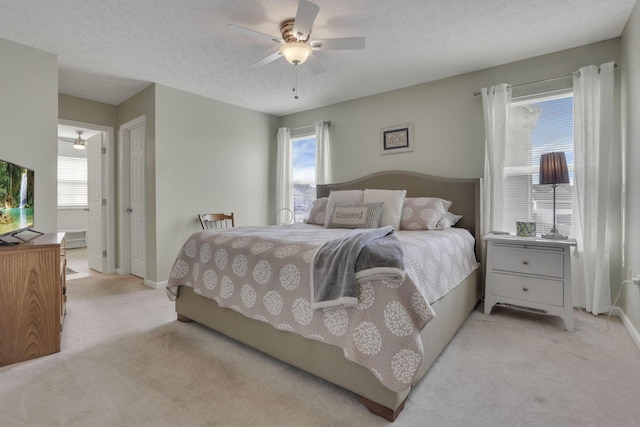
x: 264, y: 273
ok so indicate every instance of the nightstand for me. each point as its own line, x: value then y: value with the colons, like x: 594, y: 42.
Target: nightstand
x: 530, y: 273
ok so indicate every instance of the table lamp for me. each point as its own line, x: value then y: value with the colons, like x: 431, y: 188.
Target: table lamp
x: 554, y: 171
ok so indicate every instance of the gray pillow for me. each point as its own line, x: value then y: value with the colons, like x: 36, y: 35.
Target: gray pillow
x: 423, y: 213
x: 355, y: 215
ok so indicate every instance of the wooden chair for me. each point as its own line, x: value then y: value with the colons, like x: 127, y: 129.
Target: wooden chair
x: 216, y: 220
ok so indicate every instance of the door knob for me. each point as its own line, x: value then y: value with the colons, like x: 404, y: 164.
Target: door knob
x: 129, y: 210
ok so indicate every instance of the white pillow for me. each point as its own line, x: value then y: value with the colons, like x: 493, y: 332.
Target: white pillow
x: 342, y: 196
x: 393, y: 201
x: 448, y: 220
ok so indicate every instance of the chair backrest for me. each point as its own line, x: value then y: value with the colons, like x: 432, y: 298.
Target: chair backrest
x: 216, y: 220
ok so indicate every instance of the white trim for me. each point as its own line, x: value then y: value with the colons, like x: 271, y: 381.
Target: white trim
x: 108, y: 177
x: 155, y: 285
x: 631, y: 329
x: 124, y: 191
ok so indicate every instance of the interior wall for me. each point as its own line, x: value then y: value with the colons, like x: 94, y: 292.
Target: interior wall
x: 210, y: 157
x: 631, y: 141
x: 29, y: 122
x: 447, y: 118
x: 142, y: 104
x: 86, y: 111
x: 448, y: 124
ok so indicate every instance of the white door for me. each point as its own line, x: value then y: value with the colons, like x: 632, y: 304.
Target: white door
x: 96, y: 224
x: 137, y: 201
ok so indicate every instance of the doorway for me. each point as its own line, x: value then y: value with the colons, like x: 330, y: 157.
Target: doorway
x: 132, y: 219
x: 85, y: 209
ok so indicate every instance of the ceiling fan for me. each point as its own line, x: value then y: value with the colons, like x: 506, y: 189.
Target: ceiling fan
x: 296, y: 45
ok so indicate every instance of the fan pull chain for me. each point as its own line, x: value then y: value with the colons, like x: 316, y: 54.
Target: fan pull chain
x: 295, y: 82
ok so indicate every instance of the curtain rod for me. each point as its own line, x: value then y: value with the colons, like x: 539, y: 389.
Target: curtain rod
x: 577, y: 73
x: 537, y: 81
x: 309, y: 126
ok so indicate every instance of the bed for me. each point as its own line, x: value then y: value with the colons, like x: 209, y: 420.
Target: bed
x: 324, y: 359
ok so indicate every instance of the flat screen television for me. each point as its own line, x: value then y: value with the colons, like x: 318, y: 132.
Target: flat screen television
x: 16, y: 198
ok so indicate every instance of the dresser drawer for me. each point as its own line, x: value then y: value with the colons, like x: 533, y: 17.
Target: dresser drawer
x: 530, y: 289
x: 541, y: 262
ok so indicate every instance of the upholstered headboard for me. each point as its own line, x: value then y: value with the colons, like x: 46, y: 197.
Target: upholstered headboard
x: 465, y: 193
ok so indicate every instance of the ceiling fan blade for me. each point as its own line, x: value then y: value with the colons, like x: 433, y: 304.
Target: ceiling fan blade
x: 266, y: 60
x: 253, y: 33
x: 344, y: 43
x: 305, y: 16
x: 315, y: 65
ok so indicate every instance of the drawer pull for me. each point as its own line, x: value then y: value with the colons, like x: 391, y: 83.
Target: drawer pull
x: 525, y: 289
x: 525, y: 262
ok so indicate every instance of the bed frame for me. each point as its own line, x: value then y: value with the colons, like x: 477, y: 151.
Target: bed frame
x: 327, y: 361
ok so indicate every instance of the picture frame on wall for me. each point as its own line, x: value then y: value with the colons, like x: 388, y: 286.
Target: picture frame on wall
x: 397, y: 139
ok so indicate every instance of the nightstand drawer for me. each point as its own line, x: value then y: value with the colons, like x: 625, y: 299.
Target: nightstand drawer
x: 545, y: 262
x: 528, y: 289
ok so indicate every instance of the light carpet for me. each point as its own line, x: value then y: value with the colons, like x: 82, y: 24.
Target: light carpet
x: 126, y: 361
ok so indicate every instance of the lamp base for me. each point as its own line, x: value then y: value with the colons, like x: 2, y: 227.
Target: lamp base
x: 554, y: 234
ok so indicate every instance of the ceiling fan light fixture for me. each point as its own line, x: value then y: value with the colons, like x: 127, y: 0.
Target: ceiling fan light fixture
x: 79, y: 143
x: 296, y: 52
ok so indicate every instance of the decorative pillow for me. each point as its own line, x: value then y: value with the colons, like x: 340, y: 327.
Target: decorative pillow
x: 423, y: 213
x: 355, y: 215
x: 393, y: 201
x: 448, y: 220
x: 318, y: 211
x: 344, y: 197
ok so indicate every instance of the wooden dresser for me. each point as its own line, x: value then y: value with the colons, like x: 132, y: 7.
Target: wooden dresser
x: 32, y: 298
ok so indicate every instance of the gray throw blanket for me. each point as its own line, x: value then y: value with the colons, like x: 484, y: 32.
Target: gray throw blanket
x: 357, y: 255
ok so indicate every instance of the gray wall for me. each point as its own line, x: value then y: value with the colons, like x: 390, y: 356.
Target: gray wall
x: 210, y: 157
x: 448, y: 124
x: 202, y: 155
x: 87, y: 111
x: 631, y: 142
x: 29, y: 122
x: 447, y: 119
x: 142, y: 104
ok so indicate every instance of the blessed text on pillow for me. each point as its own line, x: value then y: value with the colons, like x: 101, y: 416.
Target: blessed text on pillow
x: 355, y: 215
x: 344, y: 197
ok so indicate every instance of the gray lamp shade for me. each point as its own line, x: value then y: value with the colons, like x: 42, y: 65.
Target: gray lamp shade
x: 553, y: 169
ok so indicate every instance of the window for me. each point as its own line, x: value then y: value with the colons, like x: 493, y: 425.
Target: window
x: 537, y: 125
x: 304, y: 176
x: 72, y: 182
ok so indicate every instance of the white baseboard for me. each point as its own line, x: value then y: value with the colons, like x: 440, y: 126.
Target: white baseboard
x: 631, y: 329
x: 155, y: 285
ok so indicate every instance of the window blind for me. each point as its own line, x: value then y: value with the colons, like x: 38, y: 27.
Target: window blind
x: 537, y: 125
x: 304, y: 176
x: 72, y: 182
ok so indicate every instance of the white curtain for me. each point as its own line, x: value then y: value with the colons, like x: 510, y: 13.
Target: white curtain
x: 323, y: 153
x: 496, y: 101
x: 284, y: 176
x: 593, y: 128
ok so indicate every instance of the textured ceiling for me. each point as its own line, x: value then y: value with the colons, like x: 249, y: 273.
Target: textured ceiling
x: 108, y: 50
